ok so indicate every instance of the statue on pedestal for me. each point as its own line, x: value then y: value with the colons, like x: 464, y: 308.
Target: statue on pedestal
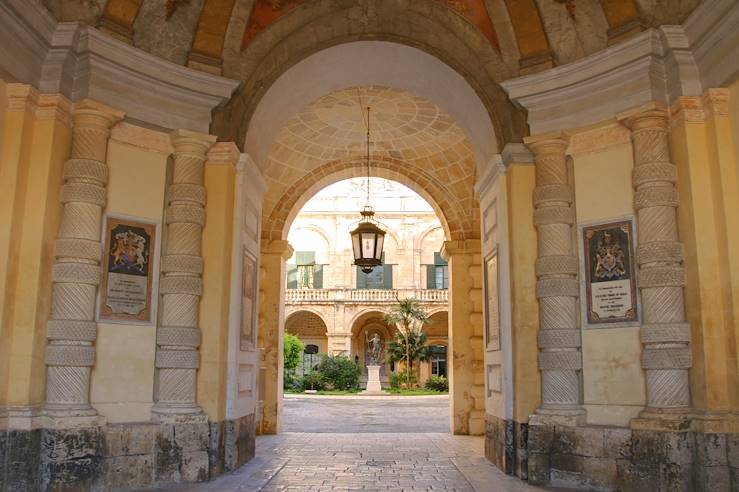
x: 374, y: 349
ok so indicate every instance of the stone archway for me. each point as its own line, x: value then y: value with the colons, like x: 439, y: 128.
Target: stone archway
x: 309, y: 326
x: 301, y: 149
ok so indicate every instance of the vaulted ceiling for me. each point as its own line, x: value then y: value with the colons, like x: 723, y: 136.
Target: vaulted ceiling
x: 485, y: 41
x: 530, y: 35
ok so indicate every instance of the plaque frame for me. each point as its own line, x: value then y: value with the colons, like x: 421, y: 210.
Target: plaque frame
x: 492, y: 300
x: 148, y: 315
x: 588, y: 260
x: 249, y: 300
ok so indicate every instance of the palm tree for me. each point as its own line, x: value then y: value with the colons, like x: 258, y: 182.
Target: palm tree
x: 408, y: 317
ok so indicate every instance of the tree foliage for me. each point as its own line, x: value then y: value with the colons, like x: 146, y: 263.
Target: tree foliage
x: 293, y: 351
x: 409, y: 343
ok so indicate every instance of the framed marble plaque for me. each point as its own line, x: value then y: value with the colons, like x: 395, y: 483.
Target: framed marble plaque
x: 128, y: 270
x: 249, y: 308
x: 610, y: 286
x: 492, y: 308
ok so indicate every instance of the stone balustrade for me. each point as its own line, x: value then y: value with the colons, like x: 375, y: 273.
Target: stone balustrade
x: 294, y: 296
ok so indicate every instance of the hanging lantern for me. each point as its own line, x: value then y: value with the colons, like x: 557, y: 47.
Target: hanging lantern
x: 367, y: 238
x: 367, y: 241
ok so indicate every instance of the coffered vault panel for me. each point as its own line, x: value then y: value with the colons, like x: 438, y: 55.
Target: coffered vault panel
x: 413, y: 142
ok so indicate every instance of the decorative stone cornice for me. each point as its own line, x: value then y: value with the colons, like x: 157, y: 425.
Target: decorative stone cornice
x: 54, y: 107
x: 656, y: 65
x: 80, y: 62
x: 223, y: 153
x: 278, y: 247
x: 713, y: 31
x: 452, y: 248
x: 516, y: 153
x: 698, y: 109
x: 22, y: 97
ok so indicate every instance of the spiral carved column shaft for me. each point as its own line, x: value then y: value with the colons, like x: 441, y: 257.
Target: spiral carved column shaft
x: 72, y: 329
x: 665, y: 334
x: 557, y: 287
x: 178, y: 336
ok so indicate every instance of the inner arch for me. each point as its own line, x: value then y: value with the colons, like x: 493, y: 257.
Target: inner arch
x: 363, y: 63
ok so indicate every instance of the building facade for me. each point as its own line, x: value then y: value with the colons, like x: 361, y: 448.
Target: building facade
x: 334, y: 306
x: 580, y: 155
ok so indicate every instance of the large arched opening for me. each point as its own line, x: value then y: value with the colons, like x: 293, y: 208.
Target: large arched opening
x: 416, y: 143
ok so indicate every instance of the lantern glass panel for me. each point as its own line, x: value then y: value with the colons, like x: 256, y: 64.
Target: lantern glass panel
x: 368, y: 244
x: 356, y: 246
x: 378, y: 250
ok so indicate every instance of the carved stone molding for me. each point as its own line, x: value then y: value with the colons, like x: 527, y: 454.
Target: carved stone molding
x: 71, y: 330
x: 560, y: 359
x: 666, y: 356
x: 178, y: 336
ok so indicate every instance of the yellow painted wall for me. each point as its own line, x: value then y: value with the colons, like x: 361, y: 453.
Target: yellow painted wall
x: 704, y: 152
x: 521, y: 180
x: 122, y: 382
x: 614, y: 387
x: 36, y: 141
x: 216, y: 300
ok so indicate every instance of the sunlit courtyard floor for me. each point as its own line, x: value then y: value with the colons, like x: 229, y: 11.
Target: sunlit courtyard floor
x: 355, y: 443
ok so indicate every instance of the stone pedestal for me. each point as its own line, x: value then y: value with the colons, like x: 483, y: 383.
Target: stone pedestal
x: 373, y: 380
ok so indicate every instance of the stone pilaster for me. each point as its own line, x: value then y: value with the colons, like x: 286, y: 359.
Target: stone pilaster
x: 178, y: 335
x: 466, y: 368
x: 665, y: 334
x: 72, y: 330
x: 560, y: 358
x: 271, y: 329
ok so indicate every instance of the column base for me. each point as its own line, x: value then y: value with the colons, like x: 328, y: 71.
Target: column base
x: 565, y: 415
x: 56, y: 416
x: 177, y: 414
x: 663, y: 419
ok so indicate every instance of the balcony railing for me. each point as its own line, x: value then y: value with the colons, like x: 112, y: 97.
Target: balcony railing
x: 364, y: 295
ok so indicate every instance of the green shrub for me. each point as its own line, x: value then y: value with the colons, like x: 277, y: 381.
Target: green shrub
x: 339, y: 372
x: 314, y: 380
x: 438, y: 383
x: 399, y: 379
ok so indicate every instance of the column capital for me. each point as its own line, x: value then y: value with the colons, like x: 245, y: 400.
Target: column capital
x: 278, y: 247
x: 544, y: 143
x: 89, y: 112
x: 190, y: 141
x: 650, y: 115
x: 453, y: 248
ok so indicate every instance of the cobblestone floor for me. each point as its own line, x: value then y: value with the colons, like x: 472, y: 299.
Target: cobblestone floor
x: 369, y: 444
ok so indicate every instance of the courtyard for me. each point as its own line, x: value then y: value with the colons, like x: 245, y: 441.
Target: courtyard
x: 334, y: 443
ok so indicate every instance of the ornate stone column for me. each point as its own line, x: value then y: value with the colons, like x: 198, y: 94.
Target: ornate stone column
x: 72, y: 329
x: 557, y: 289
x: 666, y: 355
x: 178, y: 334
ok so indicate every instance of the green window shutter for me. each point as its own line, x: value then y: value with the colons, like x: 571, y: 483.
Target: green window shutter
x: 318, y: 277
x: 305, y: 257
x: 292, y: 277
x: 361, y: 279
x: 430, y: 276
x: 439, y: 260
x: 387, y: 281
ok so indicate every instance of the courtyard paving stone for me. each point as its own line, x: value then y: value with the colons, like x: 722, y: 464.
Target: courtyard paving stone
x: 365, y: 460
